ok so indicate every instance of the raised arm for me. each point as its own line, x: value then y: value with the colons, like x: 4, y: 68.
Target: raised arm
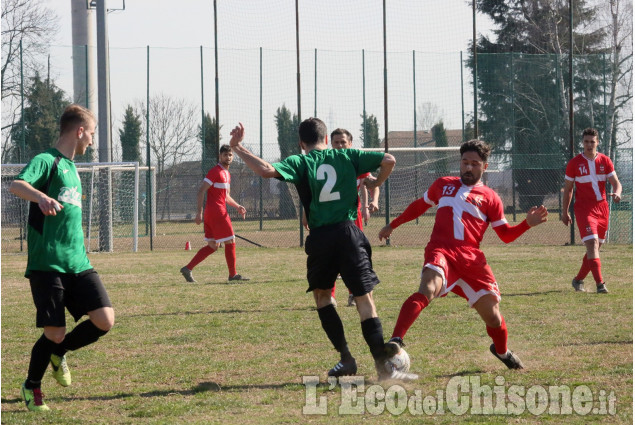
x: 256, y: 164
x: 24, y: 190
x: 385, y: 168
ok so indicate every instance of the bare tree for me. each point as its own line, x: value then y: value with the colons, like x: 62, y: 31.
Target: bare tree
x: 35, y: 25
x: 172, y: 138
x: 428, y: 114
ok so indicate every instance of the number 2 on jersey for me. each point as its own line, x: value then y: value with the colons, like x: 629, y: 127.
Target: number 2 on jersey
x: 326, y: 171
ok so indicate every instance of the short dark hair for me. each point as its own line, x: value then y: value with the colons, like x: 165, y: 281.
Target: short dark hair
x: 75, y: 116
x: 590, y: 132
x: 225, y: 148
x: 312, y: 131
x: 480, y: 147
x: 342, y: 132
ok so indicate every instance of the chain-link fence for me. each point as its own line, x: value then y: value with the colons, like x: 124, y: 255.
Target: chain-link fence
x: 521, y: 101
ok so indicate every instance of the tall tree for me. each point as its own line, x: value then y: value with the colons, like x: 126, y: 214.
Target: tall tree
x: 45, y: 104
x: 35, y: 25
x: 210, y: 145
x: 130, y: 136
x: 428, y: 114
x: 370, y: 132
x: 287, y: 126
x: 440, y: 138
x: 522, y: 90
x: 172, y: 136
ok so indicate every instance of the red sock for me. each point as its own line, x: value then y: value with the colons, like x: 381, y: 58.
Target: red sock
x: 584, y: 270
x: 499, y: 336
x: 230, y: 256
x: 596, y: 269
x: 333, y: 291
x: 202, y: 254
x: 409, y: 312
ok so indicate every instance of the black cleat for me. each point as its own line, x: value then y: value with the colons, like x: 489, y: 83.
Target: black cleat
x: 344, y: 369
x: 237, y: 277
x: 601, y: 288
x: 187, y: 274
x: 511, y: 361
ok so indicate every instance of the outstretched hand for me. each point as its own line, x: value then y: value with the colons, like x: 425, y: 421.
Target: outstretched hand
x: 537, y: 215
x: 237, y: 135
x: 385, y: 232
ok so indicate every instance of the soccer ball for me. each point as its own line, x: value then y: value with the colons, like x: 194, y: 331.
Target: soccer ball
x: 400, y: 362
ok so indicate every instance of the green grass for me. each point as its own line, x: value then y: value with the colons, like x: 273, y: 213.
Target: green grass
x: 213, y: 352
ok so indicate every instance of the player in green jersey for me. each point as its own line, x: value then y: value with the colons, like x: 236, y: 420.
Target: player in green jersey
x: 326, y: 180
x: 57, y: 267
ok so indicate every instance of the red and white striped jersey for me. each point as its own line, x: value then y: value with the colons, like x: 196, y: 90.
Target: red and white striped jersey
x: 219, y: 179
x: 464, y: 212
x: 590, y: 178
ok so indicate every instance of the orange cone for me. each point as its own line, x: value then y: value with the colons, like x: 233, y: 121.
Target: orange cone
x: 188, y: 247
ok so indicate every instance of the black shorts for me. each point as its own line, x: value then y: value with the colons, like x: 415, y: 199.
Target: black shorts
x: 340, y: 249
x: 53, y: 291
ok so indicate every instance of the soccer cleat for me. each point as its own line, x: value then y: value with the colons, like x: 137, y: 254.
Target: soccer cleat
x: 578, y: 285
x: 187, y: 274
x: 237, y: 277
x: 393, y: 346
x: 351, y: 300
x: 601, y: 288
x: 60, y: 371
x: 511, y: 361
x: 334, y: 302
x: 34, y: 399
x: 344, y: 369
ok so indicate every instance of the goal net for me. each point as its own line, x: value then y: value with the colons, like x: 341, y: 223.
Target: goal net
x: 114, y: 204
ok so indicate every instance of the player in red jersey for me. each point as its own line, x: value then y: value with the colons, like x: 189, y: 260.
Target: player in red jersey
x: 453, y: 260
x: 343, y: 139
x: 216, y: 222
x: 589, y: 172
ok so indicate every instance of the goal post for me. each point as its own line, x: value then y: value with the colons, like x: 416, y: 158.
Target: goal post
x: 125, y: 190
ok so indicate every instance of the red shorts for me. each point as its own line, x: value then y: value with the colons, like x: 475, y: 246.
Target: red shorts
x: 464, y: 270
x: 218, y: 228
x: 593, y: 222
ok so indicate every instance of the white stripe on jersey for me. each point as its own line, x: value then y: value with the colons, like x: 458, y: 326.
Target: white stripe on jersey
x: 593, y: 178
x: 460, y: 205
x: 499, y: 223
x: 221, y: 185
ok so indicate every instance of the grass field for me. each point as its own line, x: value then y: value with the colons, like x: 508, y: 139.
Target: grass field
x: 213, y: 352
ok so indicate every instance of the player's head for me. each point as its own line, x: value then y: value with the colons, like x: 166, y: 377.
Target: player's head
x: 341, y: 139
x: 225, y: 155
x: 312, y: 133
x: 474, y: 156
x: 590, y: 140
x: 78, y: 123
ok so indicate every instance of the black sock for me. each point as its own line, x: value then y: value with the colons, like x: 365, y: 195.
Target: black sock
x: 332, y: 325
x: 84, y: 334
x: 374, y: 336
x: 40, y: 358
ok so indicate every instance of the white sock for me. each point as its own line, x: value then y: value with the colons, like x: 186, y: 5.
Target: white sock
x: 504, y: 356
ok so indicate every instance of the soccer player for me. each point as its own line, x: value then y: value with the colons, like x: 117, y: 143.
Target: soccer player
x: 343, y: 139
x: 216, y: 222
x: 58, y: 269
x: 453, y: 261
x: 589, y: 171
x: 326, y: 180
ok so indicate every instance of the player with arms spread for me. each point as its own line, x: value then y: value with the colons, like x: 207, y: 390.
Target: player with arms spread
x: 453, y: 260
x: 326, y: 180
x: 216, y: 221
x: 589, y: 172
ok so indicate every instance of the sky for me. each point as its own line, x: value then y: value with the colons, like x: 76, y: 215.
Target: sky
x: 341, y: 44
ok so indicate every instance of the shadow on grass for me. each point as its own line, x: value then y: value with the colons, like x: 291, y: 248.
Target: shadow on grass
x: 532, y: 294
x: 627, y: 342
x: 468, y: 372
x: 227, y: 311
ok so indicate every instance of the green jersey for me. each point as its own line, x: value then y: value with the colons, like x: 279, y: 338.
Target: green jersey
x: 327, y: 182
x: 56, y: 243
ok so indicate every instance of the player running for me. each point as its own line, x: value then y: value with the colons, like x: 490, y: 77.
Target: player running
x: 589, y: 171
x: 326, y: 180
x: 216, y: 222
x: 453, y: 261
